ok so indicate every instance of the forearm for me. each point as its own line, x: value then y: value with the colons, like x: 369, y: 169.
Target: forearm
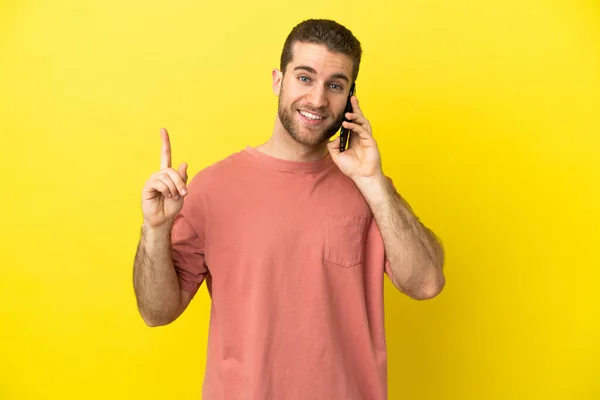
x: 156, y: 283
x: 415, y: 254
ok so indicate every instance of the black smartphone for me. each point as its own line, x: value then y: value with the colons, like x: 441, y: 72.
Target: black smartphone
x: 344, y: 134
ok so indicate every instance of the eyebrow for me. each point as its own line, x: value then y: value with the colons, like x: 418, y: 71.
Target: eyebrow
x: 313, y: 71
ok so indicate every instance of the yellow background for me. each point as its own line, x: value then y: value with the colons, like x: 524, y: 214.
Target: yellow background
x: 487, y: 114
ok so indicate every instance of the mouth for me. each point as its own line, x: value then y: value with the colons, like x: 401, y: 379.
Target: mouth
x: 311, y: 118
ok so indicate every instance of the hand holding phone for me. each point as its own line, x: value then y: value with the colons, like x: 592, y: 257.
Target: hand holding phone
x: 344, y: 134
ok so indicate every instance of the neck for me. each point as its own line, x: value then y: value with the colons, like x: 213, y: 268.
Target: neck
x: 282, y: 145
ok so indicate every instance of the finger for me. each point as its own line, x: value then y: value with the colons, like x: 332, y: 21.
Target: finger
x: 165, y: 178
x: 177, y: 181
x: 362, y: 132
x: 357, y: 118
x: 165, y: 156
x: 355, y: 107
x: 182, y: 171
x: 154, y: 187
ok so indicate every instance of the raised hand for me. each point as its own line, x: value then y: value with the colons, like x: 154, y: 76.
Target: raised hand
x: 163, y: 193
x: 362, y: 160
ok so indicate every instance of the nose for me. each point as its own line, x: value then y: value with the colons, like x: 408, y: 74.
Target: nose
x: 317, y: 97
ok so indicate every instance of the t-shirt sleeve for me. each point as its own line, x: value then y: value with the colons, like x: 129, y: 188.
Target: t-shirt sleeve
x: 188, y: 243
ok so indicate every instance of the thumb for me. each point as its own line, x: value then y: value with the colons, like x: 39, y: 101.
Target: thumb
x: 182, y: 171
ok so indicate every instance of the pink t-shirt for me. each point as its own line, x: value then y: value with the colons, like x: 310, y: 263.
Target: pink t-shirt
x: 294, y: 264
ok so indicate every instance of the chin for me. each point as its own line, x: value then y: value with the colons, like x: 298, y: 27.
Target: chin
x: 314, y: 142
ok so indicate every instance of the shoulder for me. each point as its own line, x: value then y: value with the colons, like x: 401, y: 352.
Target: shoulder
x: 219, y: 170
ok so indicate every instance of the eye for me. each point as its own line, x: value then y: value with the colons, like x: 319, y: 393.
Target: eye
x: 335, y: 86
x: 304, y: 79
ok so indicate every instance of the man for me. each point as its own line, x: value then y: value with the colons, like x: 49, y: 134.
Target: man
x: 293, y: 239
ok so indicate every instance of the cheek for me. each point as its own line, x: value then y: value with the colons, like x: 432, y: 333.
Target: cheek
x: 338, y: 108
x: 292, y: 94
x: 293, y: 101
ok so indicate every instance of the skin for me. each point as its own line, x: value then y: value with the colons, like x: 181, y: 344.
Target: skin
x: 159, y: 297
x: 316, y: 81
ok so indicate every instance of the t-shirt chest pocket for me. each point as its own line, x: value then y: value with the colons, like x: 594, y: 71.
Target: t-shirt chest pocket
x: 345, y: 239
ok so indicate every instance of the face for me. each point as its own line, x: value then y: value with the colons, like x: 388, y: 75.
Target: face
x: 313, y: 93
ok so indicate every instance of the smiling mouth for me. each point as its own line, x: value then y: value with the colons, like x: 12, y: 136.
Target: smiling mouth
x: 311, y: 116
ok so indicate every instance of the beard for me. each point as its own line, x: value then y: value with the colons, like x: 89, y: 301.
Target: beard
x: 311, y: 137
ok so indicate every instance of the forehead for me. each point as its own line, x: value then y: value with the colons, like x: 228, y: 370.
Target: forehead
x: 322, y: 60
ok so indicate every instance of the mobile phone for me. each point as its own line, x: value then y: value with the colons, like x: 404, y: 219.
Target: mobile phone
x: 344, y: 134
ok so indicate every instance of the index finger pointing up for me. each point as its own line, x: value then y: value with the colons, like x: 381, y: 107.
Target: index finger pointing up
x: 165, y: 155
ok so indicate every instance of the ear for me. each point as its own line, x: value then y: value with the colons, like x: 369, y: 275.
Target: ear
x: 277, y: 81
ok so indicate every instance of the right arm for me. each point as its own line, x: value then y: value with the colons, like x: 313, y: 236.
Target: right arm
x: 160, y: 299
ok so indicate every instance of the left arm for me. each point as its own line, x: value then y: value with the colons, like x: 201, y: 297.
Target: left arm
x: 415, y: 254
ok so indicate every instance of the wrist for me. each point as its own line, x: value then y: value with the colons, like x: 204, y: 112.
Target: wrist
x: 375, y: 189
x: 157, y: 231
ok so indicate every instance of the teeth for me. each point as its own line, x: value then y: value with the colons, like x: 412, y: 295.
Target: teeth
x: 309, y: 115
